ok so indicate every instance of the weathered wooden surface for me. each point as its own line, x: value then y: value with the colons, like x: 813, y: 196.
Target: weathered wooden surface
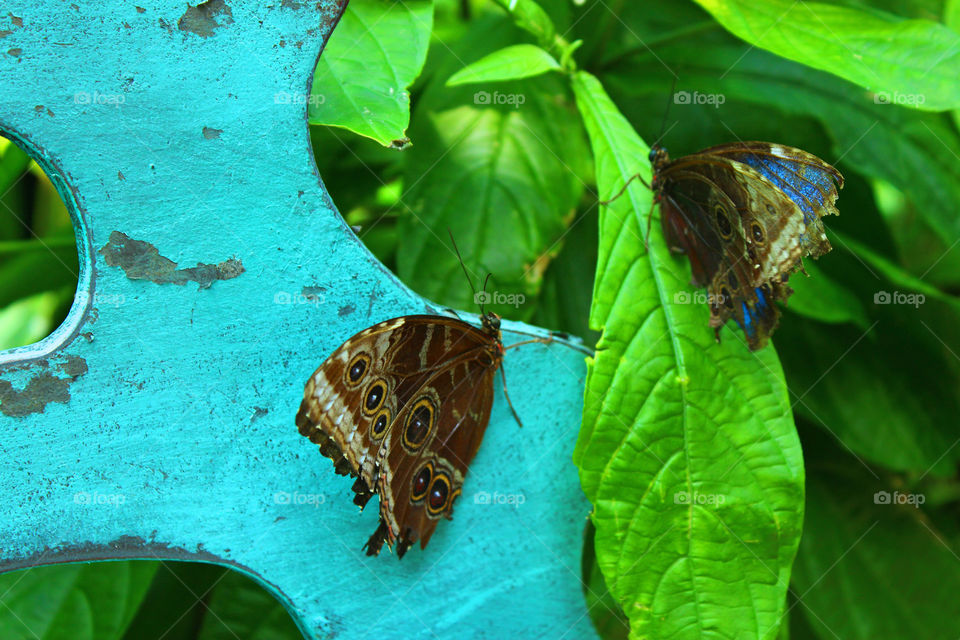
x: 216, y: 275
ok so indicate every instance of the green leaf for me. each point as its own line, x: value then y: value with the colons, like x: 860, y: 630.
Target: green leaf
x: 500, y: 168
x: 895, y: 274
x: 509, y: 63
x: 819, y: 297
x: 914, y: 63
x: 687, y: 450
x: 867, y: 570
x: 28, y: 320
x: 888, y: 393
x: 74, y: 601
x: 528, y: 15
x: 240, y: 608
x: 374, y: 54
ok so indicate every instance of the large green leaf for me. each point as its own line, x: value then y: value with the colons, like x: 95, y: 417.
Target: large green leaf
x: 687, y: 450
x: 874, y: 564
x: 73, y: 602
x: 501, y: 166
x: 510, y: 63
x: 374, y: 54
x: 914, y: 63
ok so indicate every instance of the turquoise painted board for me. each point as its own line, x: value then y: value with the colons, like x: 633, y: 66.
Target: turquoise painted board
x: 216, y: 275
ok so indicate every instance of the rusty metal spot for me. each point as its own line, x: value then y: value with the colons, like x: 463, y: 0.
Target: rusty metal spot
x: 211, y: 134
x: 205, y: 17
x: 141, y: 261
x: 42, y: 389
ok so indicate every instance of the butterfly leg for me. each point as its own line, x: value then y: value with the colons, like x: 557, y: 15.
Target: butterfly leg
x: 507, y: 395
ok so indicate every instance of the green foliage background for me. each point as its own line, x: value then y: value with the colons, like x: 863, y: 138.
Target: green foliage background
x: 735, y: 494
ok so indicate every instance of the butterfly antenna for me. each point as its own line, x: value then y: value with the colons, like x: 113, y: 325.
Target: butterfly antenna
x: 666, y: 111
x: 463, y: 266
x: 484, y: 296
x: 506, y: 395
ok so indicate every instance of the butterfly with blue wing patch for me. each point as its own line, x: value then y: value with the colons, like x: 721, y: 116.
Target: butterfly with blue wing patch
x: 745, y: 214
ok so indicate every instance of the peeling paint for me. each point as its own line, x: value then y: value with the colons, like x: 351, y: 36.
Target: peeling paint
x: 203, y: 18
x: 346, y: 310
x: 141, y: 261
x: 258, y: 412
x: 211, y: 134
x: 42, y: 389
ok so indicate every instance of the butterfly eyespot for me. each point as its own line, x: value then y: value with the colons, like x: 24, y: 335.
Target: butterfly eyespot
x: 727, y: 298
x: 419, y: 424
x: 380, y: 423
x: 421, y: 482
x: 757, y: 232
x: 356, y: 369
x: 374, y: 397
x: 438, y: 494
x: 722, y: 222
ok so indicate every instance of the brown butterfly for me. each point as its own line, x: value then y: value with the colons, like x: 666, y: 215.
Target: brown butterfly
x: 745, y: 214
x: 403, y: 406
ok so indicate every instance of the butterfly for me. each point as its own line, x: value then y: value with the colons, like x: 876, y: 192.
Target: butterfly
x: 745, y: 214
x: 403, y: 406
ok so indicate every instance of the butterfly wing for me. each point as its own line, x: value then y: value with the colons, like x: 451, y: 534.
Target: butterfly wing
x: 743, y: 234
x: 403, y: 378
x: 430, y: 447
x: 808, y: 181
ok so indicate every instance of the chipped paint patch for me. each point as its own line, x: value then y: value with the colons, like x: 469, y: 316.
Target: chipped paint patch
x: 15, y: 52
x: 42, y: 389
x: 346, y: 310
x: 142, y: 261
x: 211, y: 134
x: 205, y: 17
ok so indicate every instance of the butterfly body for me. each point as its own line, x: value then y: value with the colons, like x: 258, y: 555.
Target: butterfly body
x: 403, y: 406
x: 745, y: 214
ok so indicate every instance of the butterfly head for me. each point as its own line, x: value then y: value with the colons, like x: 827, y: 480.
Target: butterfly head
x: 491, y: 323
x: 659, y: 158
